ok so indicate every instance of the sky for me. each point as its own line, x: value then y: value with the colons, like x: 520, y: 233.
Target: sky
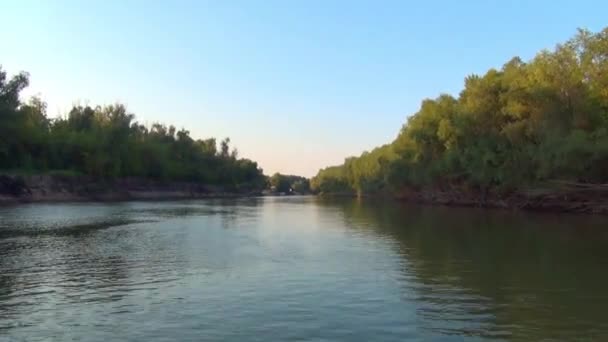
x: 297, y: 85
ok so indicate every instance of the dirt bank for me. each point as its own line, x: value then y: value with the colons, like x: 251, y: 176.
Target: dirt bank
x: 45, y: 188
x: 566, y: 197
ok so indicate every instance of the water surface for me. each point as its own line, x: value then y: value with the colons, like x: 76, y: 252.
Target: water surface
x: 301, y: 269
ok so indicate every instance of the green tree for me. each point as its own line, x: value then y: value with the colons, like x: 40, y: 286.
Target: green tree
x: 511, y: 128
x: 108, y: 142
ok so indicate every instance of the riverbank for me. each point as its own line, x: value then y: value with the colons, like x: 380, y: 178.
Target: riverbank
x: 56, y: 188
x: 564, y: 197
x: 558, y: 197
x: 547, y: 202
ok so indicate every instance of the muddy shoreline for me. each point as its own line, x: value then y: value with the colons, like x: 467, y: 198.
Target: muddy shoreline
x: 565, y: 198
x: 44, y: 188
x: 561, y: 199
x: 557, y: 202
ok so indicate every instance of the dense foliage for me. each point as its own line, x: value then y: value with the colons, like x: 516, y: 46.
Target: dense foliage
x: 510, y: 129
x: 289, y: 183
x: 107, y: 142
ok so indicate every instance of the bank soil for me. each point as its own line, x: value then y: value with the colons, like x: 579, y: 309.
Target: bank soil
x: 555, y: 197
x: 47, y: 188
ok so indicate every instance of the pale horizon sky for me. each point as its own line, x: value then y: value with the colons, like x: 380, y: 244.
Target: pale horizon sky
x: 296, y: 85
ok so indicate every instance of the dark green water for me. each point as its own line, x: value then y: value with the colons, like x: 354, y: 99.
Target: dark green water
x: 301, y: 269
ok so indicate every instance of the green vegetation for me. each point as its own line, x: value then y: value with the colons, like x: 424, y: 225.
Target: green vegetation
x: 107, y: 142
x: 509, y: 130
x: 289, y: 183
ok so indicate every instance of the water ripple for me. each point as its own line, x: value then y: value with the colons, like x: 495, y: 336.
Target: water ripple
x: 301, y: 269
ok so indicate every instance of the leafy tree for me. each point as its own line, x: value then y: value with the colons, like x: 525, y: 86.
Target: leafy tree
x: 108, y: 142
x: 511, y: 128
x: 288, y: 183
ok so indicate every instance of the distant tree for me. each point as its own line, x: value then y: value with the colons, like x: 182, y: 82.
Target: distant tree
x: 280, y: 183
x: 301, y: 186
x: 289, y: 183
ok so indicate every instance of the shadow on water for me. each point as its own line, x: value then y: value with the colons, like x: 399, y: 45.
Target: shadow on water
x: 495, y: 274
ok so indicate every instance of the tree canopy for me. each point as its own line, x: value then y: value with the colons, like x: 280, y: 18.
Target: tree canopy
x: 289, y: 183
x: 107, y: 142
x: 514, y: 127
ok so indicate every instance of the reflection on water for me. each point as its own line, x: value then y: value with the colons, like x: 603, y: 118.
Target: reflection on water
x: 298, y: 269
x: 518, y: 276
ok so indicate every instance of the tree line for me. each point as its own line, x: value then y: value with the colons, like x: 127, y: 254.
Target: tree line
x: 510, y: 129
x: 289, y: 184
x: 107, y: 142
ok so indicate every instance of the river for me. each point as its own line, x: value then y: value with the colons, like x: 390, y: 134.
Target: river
x: 299, y: 269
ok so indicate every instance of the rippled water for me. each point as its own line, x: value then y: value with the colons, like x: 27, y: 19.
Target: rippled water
x: 306, y: 269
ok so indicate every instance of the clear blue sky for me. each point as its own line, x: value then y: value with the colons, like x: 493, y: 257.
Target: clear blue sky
x: 297, y: 85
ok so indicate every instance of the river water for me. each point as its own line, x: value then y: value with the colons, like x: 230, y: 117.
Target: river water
x: 299, y: 269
